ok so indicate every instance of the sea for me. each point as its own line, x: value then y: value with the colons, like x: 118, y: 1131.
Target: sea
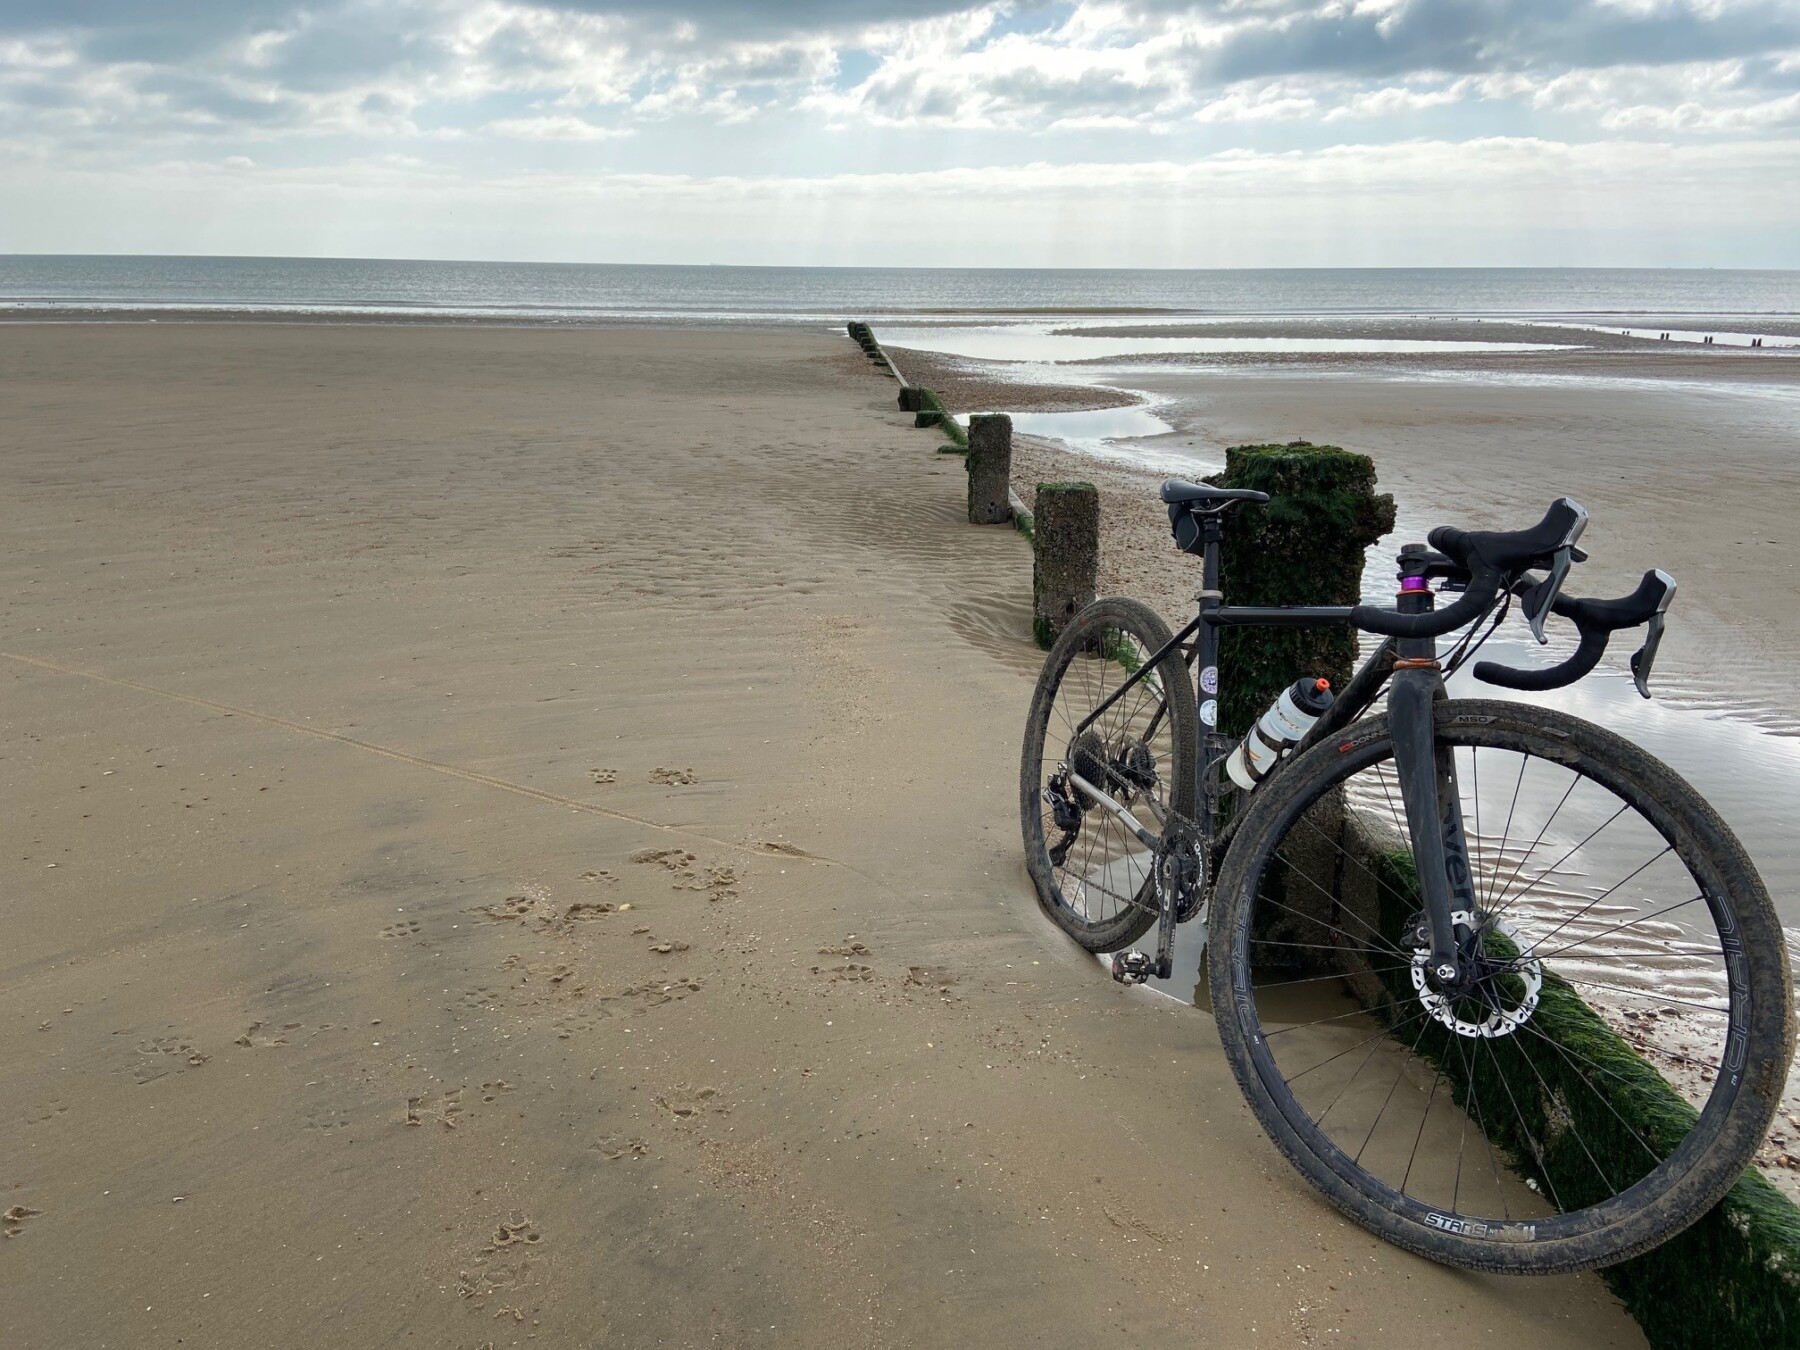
x: 589, y: 292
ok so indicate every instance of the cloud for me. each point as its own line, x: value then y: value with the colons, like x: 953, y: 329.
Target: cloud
x: 1511, y: 200
x: 557, y: 127
x: 479, y: 90
x: 259, y: 68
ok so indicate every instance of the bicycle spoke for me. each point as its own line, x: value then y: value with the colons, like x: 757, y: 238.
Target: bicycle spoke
x: 1413, y: 1157
x: 1642, y: 867
x: 1536, y: 955
x: 1331, y: 965
x: 1487, y: 900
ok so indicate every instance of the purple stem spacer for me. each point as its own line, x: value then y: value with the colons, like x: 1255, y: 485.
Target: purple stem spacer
x: 1410, y: 584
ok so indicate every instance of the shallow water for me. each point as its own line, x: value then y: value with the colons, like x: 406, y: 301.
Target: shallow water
x: 1041, y: 343
x: 1720, y: 338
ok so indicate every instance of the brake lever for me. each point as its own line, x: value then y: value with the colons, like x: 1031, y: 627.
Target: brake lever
x: 1537, y: 602
x: 1645, y: 657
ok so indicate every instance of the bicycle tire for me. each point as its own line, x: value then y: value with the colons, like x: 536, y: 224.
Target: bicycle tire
x: 1727, y: 1130
x: 1086, y: 633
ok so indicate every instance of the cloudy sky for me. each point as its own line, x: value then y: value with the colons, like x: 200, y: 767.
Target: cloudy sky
x: 923, y: 132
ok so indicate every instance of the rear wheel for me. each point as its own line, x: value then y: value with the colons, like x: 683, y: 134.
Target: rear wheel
x: 1612, y: 1064
x: 1093, y: 874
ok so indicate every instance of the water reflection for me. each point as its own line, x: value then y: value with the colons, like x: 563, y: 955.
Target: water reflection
x: 1039, y: 343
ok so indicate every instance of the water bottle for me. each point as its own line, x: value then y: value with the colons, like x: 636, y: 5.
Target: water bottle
x: 1288, y: 719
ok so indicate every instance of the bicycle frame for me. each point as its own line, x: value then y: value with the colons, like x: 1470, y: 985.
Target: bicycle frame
x: 1428, y: 786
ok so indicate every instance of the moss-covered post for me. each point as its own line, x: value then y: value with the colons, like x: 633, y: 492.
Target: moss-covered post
x: 1065, y: 556
x: 990, y: 469
x: 1305, y: 547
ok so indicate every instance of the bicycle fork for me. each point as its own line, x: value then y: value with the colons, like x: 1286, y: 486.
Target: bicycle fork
x: 1429, y: 788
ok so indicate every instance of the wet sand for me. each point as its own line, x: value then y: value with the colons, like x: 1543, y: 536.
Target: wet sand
x: 513, y: 840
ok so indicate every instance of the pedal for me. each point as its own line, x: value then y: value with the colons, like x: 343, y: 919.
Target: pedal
x: 1132, y: 967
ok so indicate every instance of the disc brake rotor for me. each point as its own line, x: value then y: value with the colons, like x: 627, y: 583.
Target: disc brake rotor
x: 1484, y: 1010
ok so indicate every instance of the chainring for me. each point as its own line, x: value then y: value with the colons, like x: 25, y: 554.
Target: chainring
x: 1180, y: 868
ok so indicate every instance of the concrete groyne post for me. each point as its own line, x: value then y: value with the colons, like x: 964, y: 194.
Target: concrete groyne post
x: 1065, y: 556
x: 1305, y: 547
x: 990, y: 469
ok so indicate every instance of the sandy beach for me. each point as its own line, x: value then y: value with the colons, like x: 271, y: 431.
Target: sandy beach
x: 512, y: 841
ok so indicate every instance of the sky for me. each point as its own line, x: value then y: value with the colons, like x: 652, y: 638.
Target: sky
x: 1151, y: 133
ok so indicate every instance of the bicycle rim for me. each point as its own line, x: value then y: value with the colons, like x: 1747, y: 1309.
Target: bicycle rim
x: 1589, y: 1094
x: 1093, y: 872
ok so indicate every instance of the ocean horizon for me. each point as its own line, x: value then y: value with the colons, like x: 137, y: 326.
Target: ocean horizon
x: 577, y: 292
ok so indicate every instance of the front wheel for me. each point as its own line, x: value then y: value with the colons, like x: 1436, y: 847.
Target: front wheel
x: 1612, y: 1059
x: 1092, y: 872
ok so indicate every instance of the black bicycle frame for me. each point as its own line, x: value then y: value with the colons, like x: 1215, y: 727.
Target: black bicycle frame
x: 1427, y: 772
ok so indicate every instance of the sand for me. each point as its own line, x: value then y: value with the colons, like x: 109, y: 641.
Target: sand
x: 512, y: 839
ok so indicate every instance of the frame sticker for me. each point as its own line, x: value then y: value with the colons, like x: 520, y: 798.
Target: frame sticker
x: 1209, y: 680
x: 1209, y: 712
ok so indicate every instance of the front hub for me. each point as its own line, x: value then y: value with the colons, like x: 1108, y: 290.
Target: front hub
x: 1494, y: 992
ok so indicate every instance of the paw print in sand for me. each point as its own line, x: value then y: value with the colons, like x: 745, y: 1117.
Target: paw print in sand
x: 673, y: 777
x: 12, y: 1222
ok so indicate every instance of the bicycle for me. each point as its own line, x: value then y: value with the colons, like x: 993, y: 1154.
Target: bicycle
x: 1575, y: 1058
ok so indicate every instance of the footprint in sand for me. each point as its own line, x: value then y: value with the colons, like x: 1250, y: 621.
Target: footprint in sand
x: 162, y: 1055
x: 933, y: 978
x: 12, y: 1222
x: 404, y: 929
x: 517, y: 1229
x: 604, y: 775
x: 566, y: 1024
x: 537, y: 910
x: 443, y: 1107
x: 506, y: 1264
x: 718, y: 882
x: 489, y: 1091
x: 50, y: 1113
x: 326, y: 1120
x: 653, y: 993
x: 258, y: 1036
x: 673, y: 777
x: 850, y: 970
x: 615, y: 1148
x: 601, y: 875
x: 687, y: 1104
x: 850, y: 947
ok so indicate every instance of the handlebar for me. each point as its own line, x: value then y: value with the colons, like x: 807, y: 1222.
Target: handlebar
x: 1490, y: 559
x: 1517, y: 550
x: 1597, y: 621
x: 1483, y: 590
